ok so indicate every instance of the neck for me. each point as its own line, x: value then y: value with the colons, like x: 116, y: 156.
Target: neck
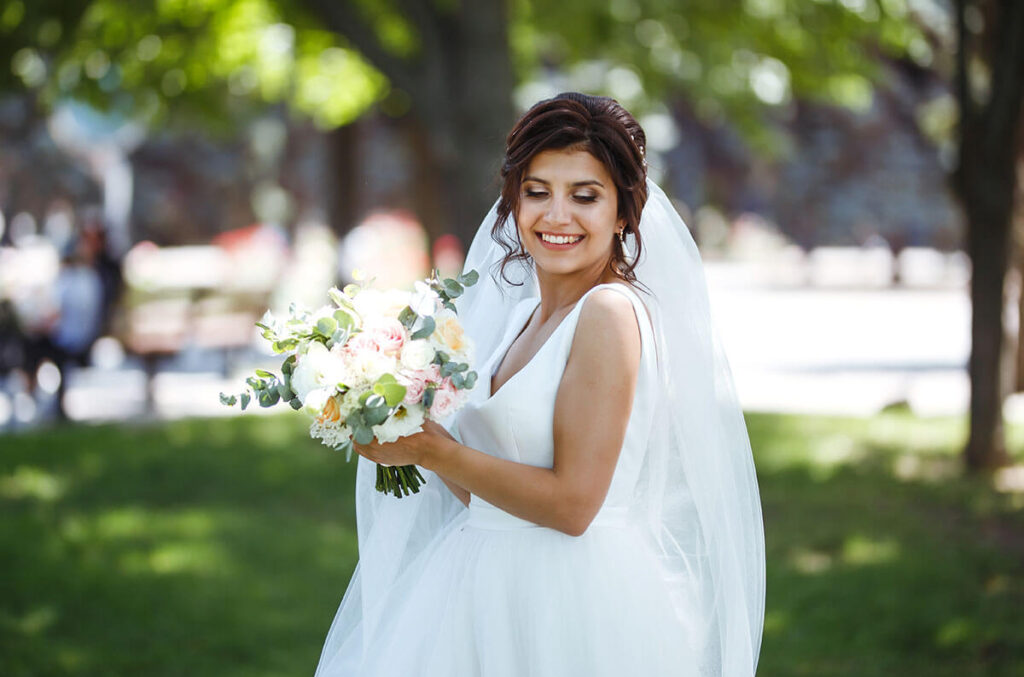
x: 559, y: 291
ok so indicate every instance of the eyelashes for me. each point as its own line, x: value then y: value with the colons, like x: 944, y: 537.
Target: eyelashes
x: 586, y: 199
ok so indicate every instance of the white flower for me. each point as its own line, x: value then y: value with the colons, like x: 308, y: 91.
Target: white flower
x: 368, y: 366
x: 318, y: 368
x: 315, y: 400
x: 417, y: 354
x: 408, y: 419
x: 424, y: 299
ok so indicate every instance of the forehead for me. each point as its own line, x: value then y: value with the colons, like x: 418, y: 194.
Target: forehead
x: 568, y: 166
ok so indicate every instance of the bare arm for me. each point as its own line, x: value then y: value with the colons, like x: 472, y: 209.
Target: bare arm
x: 591, y: 413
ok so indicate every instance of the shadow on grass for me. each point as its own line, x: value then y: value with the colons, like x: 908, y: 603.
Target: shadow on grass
x: 199, y: 548
x: 882, y: 558
x: 224, y: 547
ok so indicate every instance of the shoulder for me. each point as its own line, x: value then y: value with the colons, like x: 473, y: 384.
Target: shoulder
x: 608, y: 326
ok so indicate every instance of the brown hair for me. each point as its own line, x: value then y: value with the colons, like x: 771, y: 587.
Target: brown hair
x: 575, y: 121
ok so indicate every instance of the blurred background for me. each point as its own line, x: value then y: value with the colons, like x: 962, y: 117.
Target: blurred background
x: 170, y: 169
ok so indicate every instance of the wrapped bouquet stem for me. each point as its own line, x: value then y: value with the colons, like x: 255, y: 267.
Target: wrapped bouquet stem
x: 371, y: 365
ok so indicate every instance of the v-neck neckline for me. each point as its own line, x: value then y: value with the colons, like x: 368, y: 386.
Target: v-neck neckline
x: 508, y: 346
x: 491, y: 393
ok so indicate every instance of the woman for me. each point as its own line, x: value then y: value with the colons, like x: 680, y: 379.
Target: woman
x: 613, y: 522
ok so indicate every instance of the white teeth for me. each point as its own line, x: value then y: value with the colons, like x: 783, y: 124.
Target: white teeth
x: 560, y: 239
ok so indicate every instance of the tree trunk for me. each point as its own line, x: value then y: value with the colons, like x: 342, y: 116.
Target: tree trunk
x: 343, y: 205
x: 460, y: 83
x: 985, y: 180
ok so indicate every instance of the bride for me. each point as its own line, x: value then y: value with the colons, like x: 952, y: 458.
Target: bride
x: 593, y: 509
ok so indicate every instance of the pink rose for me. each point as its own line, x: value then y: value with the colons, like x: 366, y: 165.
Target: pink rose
x: 414, y: 387
x: 388, y: 333
x: 446, y: 400
x: 362, y: 342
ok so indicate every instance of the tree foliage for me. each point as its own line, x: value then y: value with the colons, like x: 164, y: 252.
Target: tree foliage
x: 185, y: 61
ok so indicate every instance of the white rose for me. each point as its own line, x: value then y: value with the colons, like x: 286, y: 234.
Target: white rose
x: 318, y: 368
x: 405, y: 421
x: 370, y: 366
x: 424, y: 299
x: 417, y: 354
x: 315, y: 401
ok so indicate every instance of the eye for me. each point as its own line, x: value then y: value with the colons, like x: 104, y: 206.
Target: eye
x: 535, y: 193
x: 586, y: 198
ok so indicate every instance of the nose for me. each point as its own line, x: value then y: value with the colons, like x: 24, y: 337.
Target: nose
x: 558, y: 212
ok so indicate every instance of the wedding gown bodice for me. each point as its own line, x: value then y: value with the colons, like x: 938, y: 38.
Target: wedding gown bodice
x: 516, y: 422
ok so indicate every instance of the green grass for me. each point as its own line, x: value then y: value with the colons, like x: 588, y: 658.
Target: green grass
x: 223, y: 548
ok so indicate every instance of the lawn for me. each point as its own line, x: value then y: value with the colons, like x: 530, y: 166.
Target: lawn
x: 222, y: 547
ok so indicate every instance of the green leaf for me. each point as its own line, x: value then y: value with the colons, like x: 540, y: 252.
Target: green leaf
x: 390, y: 389
x: 284, y: 391
x: 470, y: 379
x: 362, y: 435
x: 351, y: 290
x: 407, y: 317
x: 448, y: 368
x: 346, y: 447
x: 469, y: 278
x: 295, y: 403
x: 325, y: 326
x: 288, y: 366
x: 228, y: 400
x: 440, y: 357
x: 264, y: 373
x: 428, y: 396
x: 344, y: 319
x: 452, y: 288
x: 426, y: 330
x: 458, y: 380
x: 268, y: 398
x: 246, y: 398
x: 376, y: 415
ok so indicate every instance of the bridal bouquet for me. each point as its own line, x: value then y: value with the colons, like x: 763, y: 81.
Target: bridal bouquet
x: 371, y: 365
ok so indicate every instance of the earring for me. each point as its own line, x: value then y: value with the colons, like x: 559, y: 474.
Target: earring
x: 622, y: 244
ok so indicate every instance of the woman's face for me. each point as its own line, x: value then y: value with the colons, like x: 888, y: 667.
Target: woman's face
x: 568, y: 207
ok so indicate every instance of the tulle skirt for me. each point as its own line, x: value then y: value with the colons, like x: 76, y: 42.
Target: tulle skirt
x: 498, y: 597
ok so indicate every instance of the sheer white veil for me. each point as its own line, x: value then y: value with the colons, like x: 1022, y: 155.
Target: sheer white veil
x: 699, y: 500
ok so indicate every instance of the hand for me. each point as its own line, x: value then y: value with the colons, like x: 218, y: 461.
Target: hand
x: 411, y: 450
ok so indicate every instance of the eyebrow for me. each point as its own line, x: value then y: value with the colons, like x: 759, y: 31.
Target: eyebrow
x: 588, y: 182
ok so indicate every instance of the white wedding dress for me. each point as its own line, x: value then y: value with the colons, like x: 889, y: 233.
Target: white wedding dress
x: 496, y: 596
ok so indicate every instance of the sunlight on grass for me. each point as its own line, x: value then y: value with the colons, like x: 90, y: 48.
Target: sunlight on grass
x: 32, y: 482
x: 235, y: 539
x: 860, y: 551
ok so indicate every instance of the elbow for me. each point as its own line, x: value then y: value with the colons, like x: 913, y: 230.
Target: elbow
x: 574, y: 519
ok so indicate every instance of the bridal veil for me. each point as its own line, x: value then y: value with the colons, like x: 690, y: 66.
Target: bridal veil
x: 698, y: 502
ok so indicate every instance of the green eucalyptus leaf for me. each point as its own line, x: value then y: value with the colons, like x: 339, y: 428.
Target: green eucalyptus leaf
x: 325, y: 326
x: 352, y: 289
x: 228, y: 400
x: 245, y: 399
x: 426, y: 330
x: 470, y: 379
x: 469, y: 278
x: 346, y: 447
x: 295, y: 403
x: 390, y: 389
x: 428, y: 397
x: 264, y: 373
x: 268, y: 398
x: 458, y: 380
x: 407, y: 317
x: 452, y: 288
x: 362, y: 435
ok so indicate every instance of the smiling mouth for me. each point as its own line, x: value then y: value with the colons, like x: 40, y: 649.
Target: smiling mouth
x: 548, y: 238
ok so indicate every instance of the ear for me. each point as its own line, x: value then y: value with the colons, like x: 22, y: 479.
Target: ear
x: 620, y: 225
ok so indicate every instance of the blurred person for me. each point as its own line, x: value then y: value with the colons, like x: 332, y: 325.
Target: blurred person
x: 76, y: 321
